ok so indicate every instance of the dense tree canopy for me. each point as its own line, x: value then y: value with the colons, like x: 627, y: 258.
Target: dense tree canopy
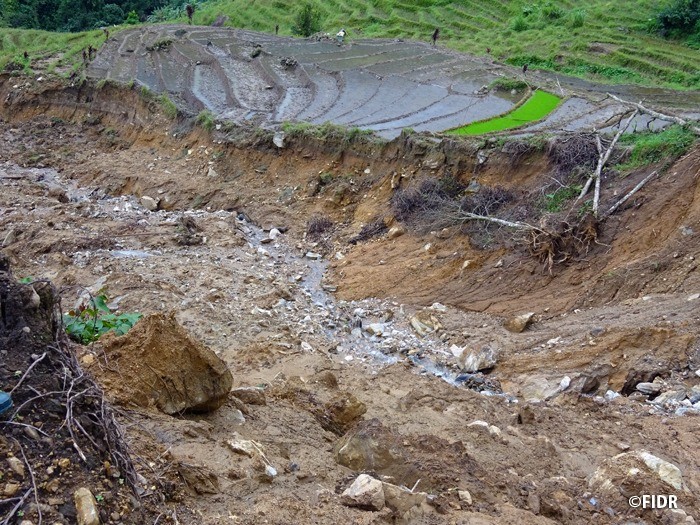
x: 72, y: 15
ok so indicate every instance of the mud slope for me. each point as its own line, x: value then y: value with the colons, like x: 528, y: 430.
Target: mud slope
x: 361, y: 351
x: 379, y: 85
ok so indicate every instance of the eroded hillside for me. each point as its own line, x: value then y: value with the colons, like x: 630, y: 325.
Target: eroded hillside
x: 379, y: 344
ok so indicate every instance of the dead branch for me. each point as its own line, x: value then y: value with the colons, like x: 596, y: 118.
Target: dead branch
x: 518, y: 225
x: 14, y: 510
x: 33, y: 478
x: 27, y: 372
x: 602, y: 160
x: 656, y: 114
x: 629, y: 194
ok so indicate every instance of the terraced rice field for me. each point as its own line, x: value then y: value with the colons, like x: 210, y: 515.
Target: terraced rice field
x: 597, y: 39
x: 378, y: 85
x: 535, y: 108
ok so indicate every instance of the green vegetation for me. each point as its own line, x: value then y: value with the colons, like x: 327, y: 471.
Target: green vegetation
x: 554, y: 202
x: 326, y: 131
x: 75, y: 15
x: 538, y: 106
x: 307, y: 21
x: 605, y: 42
x: 206, y: 119
x: 65, y: 48
x: 168, y: 106
x: 650, y: 147
x: 681, y: 19
x: 92, y: 320
x: 508, y: 84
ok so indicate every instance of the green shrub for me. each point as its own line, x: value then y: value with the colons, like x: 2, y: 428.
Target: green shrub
x: 518, y: 24
x: 132, y: 18
x: 168, y: 106
x: 206, y: 119
x: 94, y: 319
x: 307, y: 21
x: 577, y: 18
x: 681, y: 18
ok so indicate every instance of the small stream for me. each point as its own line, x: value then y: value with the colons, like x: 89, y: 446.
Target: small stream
x: 398, y: 344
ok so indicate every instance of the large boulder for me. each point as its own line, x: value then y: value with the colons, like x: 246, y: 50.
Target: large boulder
x: 159, y: 363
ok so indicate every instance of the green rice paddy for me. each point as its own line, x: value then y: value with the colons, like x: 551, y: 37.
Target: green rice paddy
x: 538, y: 106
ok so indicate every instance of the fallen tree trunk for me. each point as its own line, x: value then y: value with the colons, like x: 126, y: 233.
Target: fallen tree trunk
x: 656, y: 114
x: 624, y: 199
x: 602, y: 160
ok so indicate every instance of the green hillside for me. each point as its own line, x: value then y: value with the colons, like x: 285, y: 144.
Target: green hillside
x: 602, y: 40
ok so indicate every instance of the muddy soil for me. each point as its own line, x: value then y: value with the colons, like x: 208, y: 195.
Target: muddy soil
x: 359, y: 350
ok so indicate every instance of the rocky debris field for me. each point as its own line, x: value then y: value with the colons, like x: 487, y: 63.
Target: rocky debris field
x: 352, y: 401
x: 378, y: 85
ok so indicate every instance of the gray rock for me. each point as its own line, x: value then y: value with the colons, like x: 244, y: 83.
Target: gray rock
x: 619, y: 470
x: 465, y: 496
x: 313, y: 256
x: 365, y: 492
x: 396, y: 231
x: 250, y: 395
x: 476, y: 360
x: 149, y: 203
x: 649, y: 389
x: 670, y: 397
x: 406, y: 505
x: 212, y: 173
x: 518, y: 323
x: 86, y: 507
x: 278, y: 139
x: 376, y: 329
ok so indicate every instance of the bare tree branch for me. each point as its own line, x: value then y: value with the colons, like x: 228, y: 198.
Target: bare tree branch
x: 656, y: 114
x: 629, y: 194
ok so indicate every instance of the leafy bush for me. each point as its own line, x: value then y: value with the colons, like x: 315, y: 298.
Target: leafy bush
x: 681, y: 18
x: 92, y: 320
x: 132, y: 18
x: 307, y: 21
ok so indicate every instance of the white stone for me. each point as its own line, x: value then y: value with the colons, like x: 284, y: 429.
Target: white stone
x: 565, y: 382
x: 378, y: 329
x: 274, y: 233
x: 149, y: 203
x: 278, y: 139
x: 465, y: 496
x: 668, y: 472
x: 365, y: 492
